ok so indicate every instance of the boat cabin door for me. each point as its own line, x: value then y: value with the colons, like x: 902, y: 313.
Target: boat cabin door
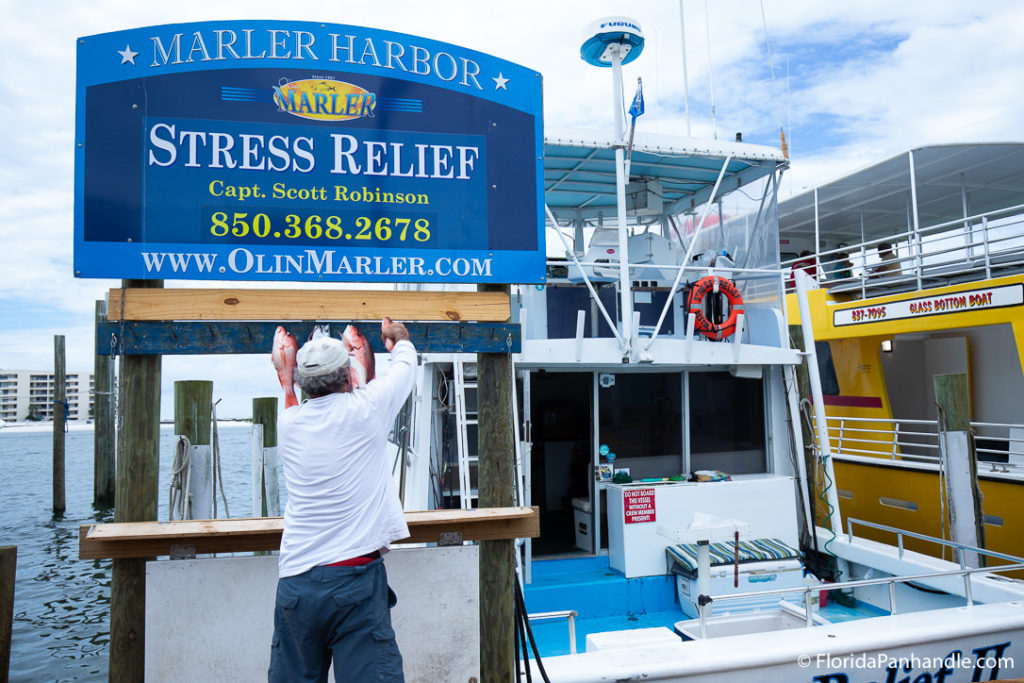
x: 558, y: 467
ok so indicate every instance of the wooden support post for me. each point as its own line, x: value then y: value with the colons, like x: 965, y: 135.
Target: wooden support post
x: 59, y: 417
x: 264, y: 412
x: 8, y: 567
x: 103, y: 421
x: 138, y: 465
x: 956, y: 447
x: 497, y: 566
x: 193, y: 408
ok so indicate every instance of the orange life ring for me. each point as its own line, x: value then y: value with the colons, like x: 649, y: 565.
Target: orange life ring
x: 695, y: 304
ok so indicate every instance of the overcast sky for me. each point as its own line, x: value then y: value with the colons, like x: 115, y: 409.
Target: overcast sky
x: 855, y: 82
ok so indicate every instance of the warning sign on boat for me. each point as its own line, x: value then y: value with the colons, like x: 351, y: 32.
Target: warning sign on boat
x: 638, y: 505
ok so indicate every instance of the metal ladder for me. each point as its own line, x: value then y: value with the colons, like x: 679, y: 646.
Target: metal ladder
x: 467, y: 450
x: 468, y: 457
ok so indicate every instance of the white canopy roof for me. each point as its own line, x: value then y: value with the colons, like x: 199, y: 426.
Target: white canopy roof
x: 989, y: 175
x: 579, y: 168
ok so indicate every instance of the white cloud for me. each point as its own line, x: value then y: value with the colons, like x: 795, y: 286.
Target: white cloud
x: 934, y: 72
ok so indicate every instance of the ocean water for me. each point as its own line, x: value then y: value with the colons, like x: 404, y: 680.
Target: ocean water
x: 61, y: 603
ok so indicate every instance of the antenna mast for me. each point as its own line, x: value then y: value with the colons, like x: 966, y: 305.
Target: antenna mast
x: 686, y: 78
x: 711, y: 81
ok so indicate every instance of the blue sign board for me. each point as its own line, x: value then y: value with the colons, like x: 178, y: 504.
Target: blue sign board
x: 259, y: 150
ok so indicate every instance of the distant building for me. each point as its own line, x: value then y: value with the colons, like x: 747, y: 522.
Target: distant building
x: 28, y: 395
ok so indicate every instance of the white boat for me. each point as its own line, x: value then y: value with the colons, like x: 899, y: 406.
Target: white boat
x: 605, y: 603
x: 953, y: 214
x: 616, y: 362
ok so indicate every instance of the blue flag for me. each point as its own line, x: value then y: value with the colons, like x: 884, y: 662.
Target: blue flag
x: 637, y: 108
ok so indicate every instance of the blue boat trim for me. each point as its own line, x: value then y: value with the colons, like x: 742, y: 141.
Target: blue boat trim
x: 216, y: 337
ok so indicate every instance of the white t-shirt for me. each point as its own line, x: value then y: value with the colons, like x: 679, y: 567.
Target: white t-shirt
x: 342, y: 501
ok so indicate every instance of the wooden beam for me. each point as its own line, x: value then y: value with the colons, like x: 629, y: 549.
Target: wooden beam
x: 200, y: 338
x: 305, y: 304
x: 151, y: 539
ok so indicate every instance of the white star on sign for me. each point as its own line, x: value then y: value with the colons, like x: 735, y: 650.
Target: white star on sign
x: 500, y: 81
x: 127, y: 55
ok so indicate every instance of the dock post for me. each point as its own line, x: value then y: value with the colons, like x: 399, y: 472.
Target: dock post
x: 8, y: 567
x: 103, y: 420
x: 264, y: 413
x: 497, y: 566
x: 956, y: 448
x: 193, y: 408
x: 135, y: 500
x: 59, y: 417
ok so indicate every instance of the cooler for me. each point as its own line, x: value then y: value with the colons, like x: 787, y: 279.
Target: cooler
x: 765, y: 564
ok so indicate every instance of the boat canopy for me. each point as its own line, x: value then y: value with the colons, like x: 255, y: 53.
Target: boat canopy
x: 579, y: 169
x: 950, y: 182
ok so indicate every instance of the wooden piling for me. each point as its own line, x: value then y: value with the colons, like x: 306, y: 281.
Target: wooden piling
x: 952, y: 396
x: 497, y: 566
x: 59, y: 417
x: 193, y: 408
x: 264, y: 412
x: 137, y: 471
x: 8, y: 567
x: 103, y: 420
x: 193, y: 401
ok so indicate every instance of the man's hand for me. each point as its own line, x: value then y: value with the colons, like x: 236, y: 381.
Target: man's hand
x: 392, y: 332
x: 282, y: 355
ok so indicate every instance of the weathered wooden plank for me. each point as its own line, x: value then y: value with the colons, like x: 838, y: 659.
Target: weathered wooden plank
x: 151, y: 539
x: 200, y: 338
x: 299, y: 304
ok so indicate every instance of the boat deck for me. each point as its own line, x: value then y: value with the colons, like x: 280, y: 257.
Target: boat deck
x: 605, y: 600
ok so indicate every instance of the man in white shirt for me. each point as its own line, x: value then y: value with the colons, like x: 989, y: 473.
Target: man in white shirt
x: 333, y: 600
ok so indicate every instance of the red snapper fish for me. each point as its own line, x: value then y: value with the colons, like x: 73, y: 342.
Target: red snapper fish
x: 282, y: 355
x: 361, y: 360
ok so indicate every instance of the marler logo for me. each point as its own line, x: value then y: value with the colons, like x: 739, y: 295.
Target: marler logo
x: 324, y: 100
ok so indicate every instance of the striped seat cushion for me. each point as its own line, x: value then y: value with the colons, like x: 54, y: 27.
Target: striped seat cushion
x: 683, y: 558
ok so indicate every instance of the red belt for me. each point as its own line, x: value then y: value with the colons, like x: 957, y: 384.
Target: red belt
x: 356, y: 561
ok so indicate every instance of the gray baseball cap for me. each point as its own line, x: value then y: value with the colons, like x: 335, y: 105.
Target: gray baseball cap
x: 321, y: 356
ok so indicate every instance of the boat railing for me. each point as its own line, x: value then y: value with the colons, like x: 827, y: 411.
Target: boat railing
x: 567, y: 614
x: 670, y: 269
x: 961, y: 548
x: 999, y: 446
x: 760, y: 287
x: 967, y: 249
x: 965, y: 572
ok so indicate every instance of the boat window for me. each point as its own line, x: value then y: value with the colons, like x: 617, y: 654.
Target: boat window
x: 826, y: 369
x: 641, y: 422
x: 727, y: 425
x: 565, y: 303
